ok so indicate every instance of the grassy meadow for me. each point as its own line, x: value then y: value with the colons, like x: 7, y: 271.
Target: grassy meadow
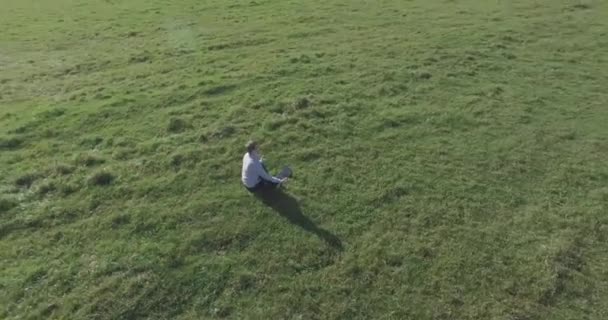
x: 450, y: 159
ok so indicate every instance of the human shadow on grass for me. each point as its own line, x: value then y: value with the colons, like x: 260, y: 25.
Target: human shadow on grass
x: 288, y: 207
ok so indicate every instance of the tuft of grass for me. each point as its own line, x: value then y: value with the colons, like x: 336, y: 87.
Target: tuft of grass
x: 177, y: 125
x: 101, y: 178
x: 62, y: 169
x: 91, y: 142
x: 27, y: 179
x: 52, y: 113
x: 46, y: 187
x: 120, y: 220
x: 223, y: 132
x: 7, y: 203
x: 581, y: 5
x: 67, y: 188
x: 10, y: 143
x: 422, y: 75
x: 302, y: 103
x: 89, y: 159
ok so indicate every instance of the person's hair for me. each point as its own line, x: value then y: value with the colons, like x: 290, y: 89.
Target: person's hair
x: 251, y: 145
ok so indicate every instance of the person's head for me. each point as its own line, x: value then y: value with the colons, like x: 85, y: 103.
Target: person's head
x: 251, y: 146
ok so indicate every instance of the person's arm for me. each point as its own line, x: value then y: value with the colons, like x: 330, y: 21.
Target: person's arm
x: 264, y: 175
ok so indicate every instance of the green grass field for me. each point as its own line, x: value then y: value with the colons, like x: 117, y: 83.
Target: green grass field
x: 450, y: 159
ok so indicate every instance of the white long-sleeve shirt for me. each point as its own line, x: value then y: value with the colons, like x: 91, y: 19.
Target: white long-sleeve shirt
x: 253, y: 171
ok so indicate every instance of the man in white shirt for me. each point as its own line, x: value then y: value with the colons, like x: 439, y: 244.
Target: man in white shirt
x: 254, y: 175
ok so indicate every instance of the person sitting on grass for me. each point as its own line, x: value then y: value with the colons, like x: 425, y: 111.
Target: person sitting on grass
x: 255, y: 176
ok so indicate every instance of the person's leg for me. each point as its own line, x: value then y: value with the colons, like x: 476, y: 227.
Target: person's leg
x: 265, y: 184
x: 264, y: 167
x: 262, y: 186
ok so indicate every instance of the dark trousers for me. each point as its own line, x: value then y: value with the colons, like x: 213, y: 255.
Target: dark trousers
x: 263, y: 184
